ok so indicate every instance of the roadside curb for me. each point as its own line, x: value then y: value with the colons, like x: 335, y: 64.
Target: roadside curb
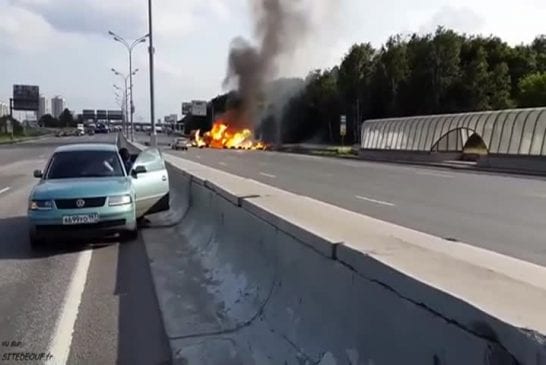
x: 473, y: 169
x: 16, y: 141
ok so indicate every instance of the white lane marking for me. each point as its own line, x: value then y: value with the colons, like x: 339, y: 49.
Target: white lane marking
x: 222, y: 163
x: 268, y: 175
x: 375, y: 201
x: 4, y: 190
x: 41, y: 156
x: 436, y: 174
x: 61, y: 341
x: 198, y: 157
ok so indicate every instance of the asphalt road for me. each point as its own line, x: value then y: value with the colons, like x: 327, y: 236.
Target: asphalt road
x: 502, y: 213
x: 82, y: 303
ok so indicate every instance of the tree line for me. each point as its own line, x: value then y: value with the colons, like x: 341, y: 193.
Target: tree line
x: 65, y: 120
x: 443, y: 72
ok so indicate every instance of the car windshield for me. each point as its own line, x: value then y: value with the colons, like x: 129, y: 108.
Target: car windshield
x: 79, y: 164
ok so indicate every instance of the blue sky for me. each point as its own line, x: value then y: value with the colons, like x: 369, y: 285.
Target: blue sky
x: 63, y: 46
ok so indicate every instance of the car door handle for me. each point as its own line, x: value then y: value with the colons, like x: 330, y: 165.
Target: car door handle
x: 164, y: 178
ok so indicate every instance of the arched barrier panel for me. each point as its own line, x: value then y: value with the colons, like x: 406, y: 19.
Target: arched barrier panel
x: 512, y: 132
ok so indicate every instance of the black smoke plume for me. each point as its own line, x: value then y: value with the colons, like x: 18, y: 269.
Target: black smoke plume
x: 279, y: 26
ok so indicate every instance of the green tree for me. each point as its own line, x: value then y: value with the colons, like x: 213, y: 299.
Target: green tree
x: 416, y: 94
x: 532, y: 90
x: 475, y: 81
x: 500, y: 87
x: 16, y: 125
x: 445, y: 67
x: 353, y: 82
x: 521, y: 62
x: 539, y: 47
x: 324, y: 102
x: 66, y: 119
x: 391, y: 71
x: 48, y: 121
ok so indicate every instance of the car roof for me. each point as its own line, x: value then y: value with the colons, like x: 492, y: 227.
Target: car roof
x: 87, y: 147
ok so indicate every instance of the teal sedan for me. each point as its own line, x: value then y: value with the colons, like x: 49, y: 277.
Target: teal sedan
x: 86, y: 191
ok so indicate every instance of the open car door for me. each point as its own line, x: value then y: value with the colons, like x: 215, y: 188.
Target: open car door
x: 151, y: 183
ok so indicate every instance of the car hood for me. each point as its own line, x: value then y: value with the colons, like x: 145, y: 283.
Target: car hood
x: 81, y: 188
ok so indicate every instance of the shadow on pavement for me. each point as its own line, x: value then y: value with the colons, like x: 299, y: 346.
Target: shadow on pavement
x: 15, y: 244
x: 141, y: 336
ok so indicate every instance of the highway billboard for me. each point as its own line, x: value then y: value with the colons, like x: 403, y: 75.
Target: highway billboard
x: 88, y: 114
x: 199, y: 108
x: 26, y: 97
x: 115, y: 115
x: 173, y: 118
x: 102, y: 115
x: 186, y: 108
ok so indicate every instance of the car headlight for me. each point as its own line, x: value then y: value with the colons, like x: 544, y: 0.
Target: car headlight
x: 117, y: 200
x: 40, y: 205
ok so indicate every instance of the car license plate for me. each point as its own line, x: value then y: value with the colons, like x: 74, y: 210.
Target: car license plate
x: 80, y: 219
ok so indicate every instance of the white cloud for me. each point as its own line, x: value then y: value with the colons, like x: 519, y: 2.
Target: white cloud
x: 22, y: 30
x: 461, y: 19
x: 87, y: 16
x: 71, y: 54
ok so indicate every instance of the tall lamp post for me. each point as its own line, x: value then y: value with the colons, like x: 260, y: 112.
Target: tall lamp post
x: 151, y: 50
x: 122, y: 102
x: 130, y: 47
x: 127, y: 92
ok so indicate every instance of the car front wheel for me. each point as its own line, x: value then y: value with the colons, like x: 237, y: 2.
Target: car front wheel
x: 129, y: 236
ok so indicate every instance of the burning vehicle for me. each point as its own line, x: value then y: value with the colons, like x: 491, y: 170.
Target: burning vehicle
x: 222, y: 136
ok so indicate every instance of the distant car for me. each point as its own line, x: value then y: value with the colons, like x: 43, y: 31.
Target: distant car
x: 85, y: 191
x: 101, y: 128
x: 181, y: 144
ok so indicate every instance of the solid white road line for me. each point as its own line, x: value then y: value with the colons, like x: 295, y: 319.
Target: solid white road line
x: 436, y: 174
x: 4, y: 190
x: 61, y: 341
x: 268, y: 175
x: 222, y: 163
x: 375, y: 201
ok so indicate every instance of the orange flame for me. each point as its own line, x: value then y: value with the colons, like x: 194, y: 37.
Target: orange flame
x: 221, y: 136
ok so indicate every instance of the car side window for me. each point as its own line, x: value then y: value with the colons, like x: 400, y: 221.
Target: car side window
x: 151, y: 159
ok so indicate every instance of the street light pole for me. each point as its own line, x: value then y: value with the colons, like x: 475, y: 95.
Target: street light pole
x: 153, y: 135
x: 132, y: 106
x: 130, y: 48
x: 125, y: 78
x: 123, y: 105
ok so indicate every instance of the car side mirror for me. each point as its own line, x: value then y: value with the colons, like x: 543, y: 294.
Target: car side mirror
x: 38, y: 174
x: 138, y: 170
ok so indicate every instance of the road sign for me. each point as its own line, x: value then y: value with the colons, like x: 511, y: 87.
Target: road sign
x: 343, y: 125
x: 26, y: 97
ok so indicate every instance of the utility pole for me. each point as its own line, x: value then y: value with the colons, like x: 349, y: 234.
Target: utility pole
x: 153, y: 135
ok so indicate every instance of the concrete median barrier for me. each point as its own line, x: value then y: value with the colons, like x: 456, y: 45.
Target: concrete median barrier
x: 257, y: 275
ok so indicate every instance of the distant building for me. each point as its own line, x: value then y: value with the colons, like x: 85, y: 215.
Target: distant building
x: 4, y: 109
x: 43, y: 108
x: 58, y: 105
